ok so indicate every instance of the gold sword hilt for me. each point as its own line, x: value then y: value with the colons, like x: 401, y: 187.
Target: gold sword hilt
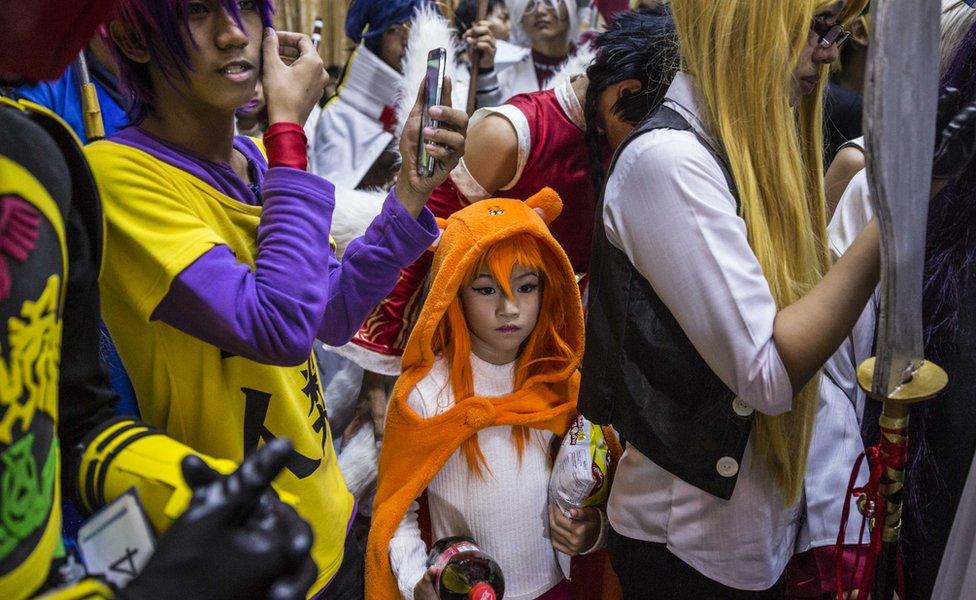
x: 91, y: 113
x: 923, y: 384
x: 91, y: 109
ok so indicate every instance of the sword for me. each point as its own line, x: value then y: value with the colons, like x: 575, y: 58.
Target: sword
x: 900, y: 105
x: 481, y: 14
x: 91, y: 111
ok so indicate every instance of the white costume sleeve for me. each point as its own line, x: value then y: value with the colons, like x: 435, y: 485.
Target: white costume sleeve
x: 957, y: 574
x: 408, y: 553
x: 836, y: 440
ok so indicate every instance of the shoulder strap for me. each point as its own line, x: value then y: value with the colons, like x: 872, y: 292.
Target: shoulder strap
x: 84, y: 192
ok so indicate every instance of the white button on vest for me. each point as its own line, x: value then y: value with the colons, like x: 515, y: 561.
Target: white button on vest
x: 741, y: 408
x: 727, y: 466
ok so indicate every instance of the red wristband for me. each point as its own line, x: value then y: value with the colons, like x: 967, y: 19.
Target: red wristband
x: 286, y: 145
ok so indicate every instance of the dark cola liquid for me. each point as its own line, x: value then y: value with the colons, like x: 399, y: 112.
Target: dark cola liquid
x: 464, y: 571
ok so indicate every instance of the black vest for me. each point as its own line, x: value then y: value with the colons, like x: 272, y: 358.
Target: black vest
x: 644, y: 377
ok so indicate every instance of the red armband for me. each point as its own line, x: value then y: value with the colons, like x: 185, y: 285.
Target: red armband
x: 286, y: 145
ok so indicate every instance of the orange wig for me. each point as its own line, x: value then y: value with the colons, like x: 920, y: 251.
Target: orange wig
x: 545, y: 345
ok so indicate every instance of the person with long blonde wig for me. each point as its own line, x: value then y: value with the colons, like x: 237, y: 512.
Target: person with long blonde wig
x: 714, y: 304
x: 489, y: 378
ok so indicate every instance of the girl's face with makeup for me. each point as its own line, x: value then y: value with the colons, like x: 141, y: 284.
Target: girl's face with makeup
x: 499, y: 324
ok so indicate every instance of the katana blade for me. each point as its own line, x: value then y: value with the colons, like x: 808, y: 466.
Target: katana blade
x: 81, y: 67
x: 899, y: 120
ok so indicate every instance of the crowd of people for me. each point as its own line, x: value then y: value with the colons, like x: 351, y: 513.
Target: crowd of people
x: 234, y: 295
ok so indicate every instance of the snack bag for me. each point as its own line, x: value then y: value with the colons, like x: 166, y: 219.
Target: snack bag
x: 580, y: 472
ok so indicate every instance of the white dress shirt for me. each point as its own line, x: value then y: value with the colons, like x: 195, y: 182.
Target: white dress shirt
x: 853, y: 213
x: 669, y: 209
x: 836, y: 441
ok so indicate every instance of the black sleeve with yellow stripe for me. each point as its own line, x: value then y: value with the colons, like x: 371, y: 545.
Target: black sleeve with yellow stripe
x: 124, y: 453
x: 103, y: 457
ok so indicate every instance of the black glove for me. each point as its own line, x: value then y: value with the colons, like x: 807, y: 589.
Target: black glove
x: 950, y: 101
x: 955, y: 142
x: 236, y: 540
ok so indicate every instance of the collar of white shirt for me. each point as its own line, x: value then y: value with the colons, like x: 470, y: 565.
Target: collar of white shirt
x: 681, y: 97
x: 569, y: 102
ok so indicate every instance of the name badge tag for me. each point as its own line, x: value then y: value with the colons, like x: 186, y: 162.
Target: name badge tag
x: 118, y: 540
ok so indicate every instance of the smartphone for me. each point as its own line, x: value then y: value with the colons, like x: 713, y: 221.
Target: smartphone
x: 433, y: 96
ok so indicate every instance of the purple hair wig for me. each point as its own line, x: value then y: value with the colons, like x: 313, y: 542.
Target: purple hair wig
x: 950, y: 256
x: 951, y: 243
x: 162, y: 27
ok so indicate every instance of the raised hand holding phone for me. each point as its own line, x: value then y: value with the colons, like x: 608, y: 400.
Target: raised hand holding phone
x: 442, y: 142
x: 433, y: 96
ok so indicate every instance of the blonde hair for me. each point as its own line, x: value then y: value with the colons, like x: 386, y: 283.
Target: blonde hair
x: 742, y: 55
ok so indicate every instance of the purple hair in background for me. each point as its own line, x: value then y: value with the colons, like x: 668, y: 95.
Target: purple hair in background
x: 950, y: 257
x: 951, y: 243
x: 161, y: 25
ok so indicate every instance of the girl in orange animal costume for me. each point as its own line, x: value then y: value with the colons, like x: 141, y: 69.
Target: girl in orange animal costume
x: 489, y: 378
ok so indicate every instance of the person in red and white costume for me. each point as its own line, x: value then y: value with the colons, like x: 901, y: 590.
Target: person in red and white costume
x: 549, y: 29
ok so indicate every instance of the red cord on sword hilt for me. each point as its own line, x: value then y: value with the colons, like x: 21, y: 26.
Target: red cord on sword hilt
x: 880, y: 499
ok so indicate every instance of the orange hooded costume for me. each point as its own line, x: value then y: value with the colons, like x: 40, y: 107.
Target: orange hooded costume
x: 415, y: 449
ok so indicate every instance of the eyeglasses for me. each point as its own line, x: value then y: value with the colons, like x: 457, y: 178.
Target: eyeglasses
x: 830, y: 34
x: 536, y: 5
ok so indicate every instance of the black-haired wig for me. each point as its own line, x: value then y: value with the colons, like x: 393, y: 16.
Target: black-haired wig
x: 637, y: 45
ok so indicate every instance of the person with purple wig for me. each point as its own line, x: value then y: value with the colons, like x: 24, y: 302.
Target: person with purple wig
x: 942, y: 438
x: 218, y: 273
x: 943, y: 431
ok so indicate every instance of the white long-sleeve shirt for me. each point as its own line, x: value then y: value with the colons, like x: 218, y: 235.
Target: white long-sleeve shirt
x: 669, y: 209
x: 853, y: 213
x: 836, y: 441
x: 506, y: 512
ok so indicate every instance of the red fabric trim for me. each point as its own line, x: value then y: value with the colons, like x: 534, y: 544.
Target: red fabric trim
x: 286, y: 145
x: 389, y: 119
x: 592, y: 577
x: 812, y: 573
x: 560, y: 591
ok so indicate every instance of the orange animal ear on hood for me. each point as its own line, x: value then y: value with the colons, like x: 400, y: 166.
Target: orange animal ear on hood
x: 546, y: 202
